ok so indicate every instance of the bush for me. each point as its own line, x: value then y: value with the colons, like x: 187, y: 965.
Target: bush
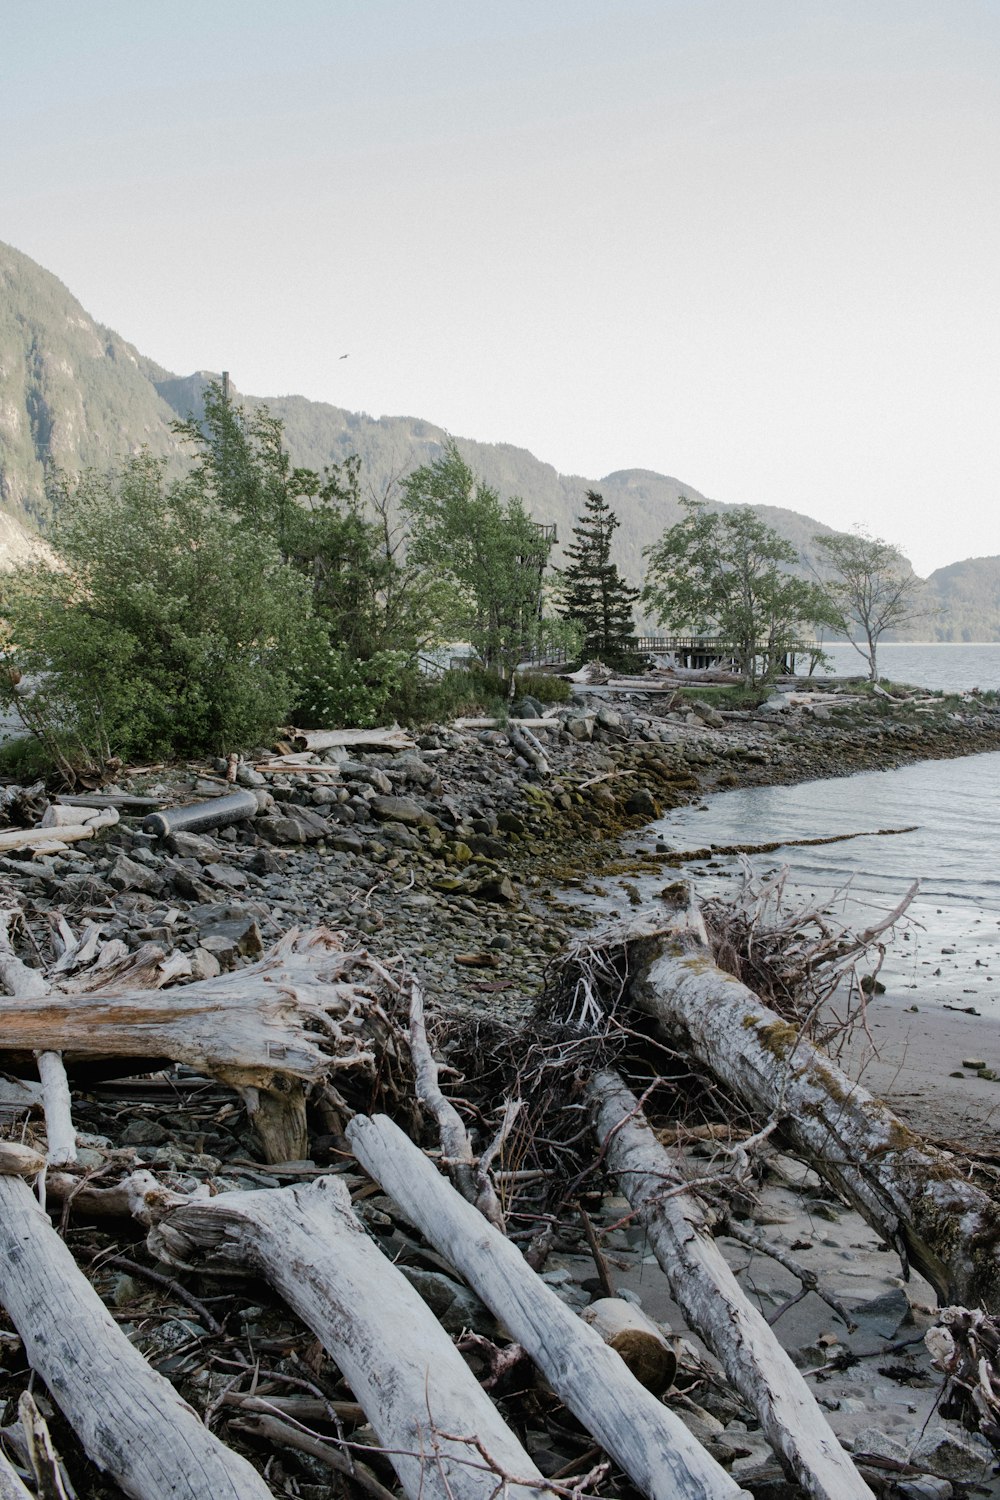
x: 170, y: 628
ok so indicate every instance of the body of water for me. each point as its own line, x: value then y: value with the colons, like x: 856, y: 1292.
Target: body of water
x: 948, y: 950
x: 950, y: 666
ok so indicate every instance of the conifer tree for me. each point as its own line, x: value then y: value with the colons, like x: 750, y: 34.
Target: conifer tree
x: 594, y: 597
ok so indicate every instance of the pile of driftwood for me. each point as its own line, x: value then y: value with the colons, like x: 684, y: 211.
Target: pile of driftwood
x: 318, y: 1030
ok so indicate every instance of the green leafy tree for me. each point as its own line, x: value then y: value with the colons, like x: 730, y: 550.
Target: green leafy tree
x: 171, y: 627
x: 873, y: 588
x: 491, y: 551
x: 727, y: 573
x: 594, y: 597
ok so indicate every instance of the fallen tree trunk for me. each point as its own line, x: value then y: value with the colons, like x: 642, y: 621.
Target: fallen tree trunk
x: 265, y: 1029
x: 130, y: 1420
x: 443, y: 1435
x: 351, y: 739
x: 713, y: 1302
x: 915, y: 1196
x: 11, y: 1486
x: 651, y: 1444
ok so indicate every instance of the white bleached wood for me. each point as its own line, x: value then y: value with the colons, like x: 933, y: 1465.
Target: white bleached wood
x: 130, y: 1420
x: 402, y: 1367
x: 912, y: 1194
x: 31, y: 984
x: 58, y: 1106
x: 11, y: 1487
x: 349, y: 739
x: 651, y: 1444
x: 713, y: 1302
x: 45, y: 838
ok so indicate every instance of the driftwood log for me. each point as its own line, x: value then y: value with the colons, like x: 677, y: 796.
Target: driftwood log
x: 713, y: 1302
x: 443, y: 1435
x: 265, y: 1030
x: 915, y: 1196
x: 650, y: 1443
x: 11, y: 1486
x: 130, y: 1420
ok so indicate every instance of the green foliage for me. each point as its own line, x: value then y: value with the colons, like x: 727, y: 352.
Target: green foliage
x: 492, y: 552
x: 873, y: 589
x: 727, y: 574
x: 172, y: 627
x: 594, y: 597
x: 337, y: 689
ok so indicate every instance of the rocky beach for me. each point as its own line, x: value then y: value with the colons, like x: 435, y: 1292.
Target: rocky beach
x: 470, y: 851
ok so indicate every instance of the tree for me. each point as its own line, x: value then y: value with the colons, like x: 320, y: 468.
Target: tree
x: 492, y: 552
x: 594, y: 597
x: 170, y: 627
x: 873, y: 588
x: 726, y: 572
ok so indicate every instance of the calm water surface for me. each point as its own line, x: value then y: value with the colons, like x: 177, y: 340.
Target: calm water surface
x: 951, y: 667
x: 949, y: 950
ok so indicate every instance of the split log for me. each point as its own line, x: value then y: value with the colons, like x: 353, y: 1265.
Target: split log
x: 264, y: 1030
x: 130, y: 1420
x: 713, y: 1302
x: 417, y: 1391
x: 354, y: 739
x: 527, y: 746
x: 915, y: 1196
x: 650, y: 1443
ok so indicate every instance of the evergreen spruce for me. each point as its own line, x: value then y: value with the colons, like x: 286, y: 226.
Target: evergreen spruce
x: 594, y: 597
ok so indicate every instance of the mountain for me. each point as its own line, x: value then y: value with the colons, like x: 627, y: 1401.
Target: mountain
x: 76, y: 395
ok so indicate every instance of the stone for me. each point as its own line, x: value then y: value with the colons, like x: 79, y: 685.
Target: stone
x: 204, y: 965
x: 400, y: 810
x: 232, y: 937
x: 642, y: 804
x: 225, y: 875
x: 454, y: 1306
x: 884, y: 1314
x: 707, y: 714
x: 248, y: 777
x: 954, y: 1455
x: 925, y: 1488
x: 579, y: 728
x: 129, y: 875
x: 192, y: 846
x: 143, y: 1132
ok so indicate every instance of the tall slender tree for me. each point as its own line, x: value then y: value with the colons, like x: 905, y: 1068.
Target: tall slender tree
x: 594, y: 596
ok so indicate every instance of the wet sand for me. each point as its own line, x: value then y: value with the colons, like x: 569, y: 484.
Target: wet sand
x: 908, y: 1057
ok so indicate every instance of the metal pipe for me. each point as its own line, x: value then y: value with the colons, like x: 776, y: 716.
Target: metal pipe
x: 198, y: 817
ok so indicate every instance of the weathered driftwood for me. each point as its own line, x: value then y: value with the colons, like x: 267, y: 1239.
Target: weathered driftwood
x: 289, y: 1018
x: 29, y: 984
x: 11, y: 1487
x: 913, y: 1195
x: 40, y: 1452
x: 43, y: 836
x: 713, y: 1302
x: 130, y: 1420
x: 455, y: 1142
x: 351, y: 739
x: 17, y: 1160
x: 444, y: 1436
x: 651, y: 1444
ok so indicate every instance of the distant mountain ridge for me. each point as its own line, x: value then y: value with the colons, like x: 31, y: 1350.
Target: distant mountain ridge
x: 75, y: 394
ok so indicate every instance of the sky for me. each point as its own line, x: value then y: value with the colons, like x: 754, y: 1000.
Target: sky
x: 753, y: 244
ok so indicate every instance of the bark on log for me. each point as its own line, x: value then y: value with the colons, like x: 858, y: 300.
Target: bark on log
x: 415, y: 1387
x: 911, y: 1193
x: 643, y: 1436
x: 131, y: 1421
x: 713, y: 1302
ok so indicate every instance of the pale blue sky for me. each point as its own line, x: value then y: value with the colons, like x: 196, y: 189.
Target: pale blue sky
x: 750, y: 243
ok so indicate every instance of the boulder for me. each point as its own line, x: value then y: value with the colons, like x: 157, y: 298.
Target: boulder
x: 400, y: 810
